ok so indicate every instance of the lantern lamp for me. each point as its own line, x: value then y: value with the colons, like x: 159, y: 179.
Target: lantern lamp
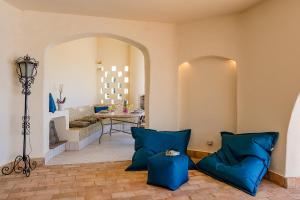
x: 26, y: 70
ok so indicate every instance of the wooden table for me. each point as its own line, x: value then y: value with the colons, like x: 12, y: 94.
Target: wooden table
x: 121, y: 118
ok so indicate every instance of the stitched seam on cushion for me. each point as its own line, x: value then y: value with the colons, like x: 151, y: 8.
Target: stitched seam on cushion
x: 250, y: 155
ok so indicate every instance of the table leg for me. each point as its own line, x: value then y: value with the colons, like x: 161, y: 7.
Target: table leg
x: 140, y: 121
x: 102, y: 131
x: 111, y: 124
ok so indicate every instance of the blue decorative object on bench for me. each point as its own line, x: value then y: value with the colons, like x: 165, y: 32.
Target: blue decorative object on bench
x: 242, y: 161
x: 100, y: 108
x: 52, y: 106
x: 150, y: 142
x: 168, y: 171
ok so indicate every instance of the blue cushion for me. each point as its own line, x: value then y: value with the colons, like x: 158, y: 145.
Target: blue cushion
x: 266, y: 140
x: 168, y: 171
x: 52, y: 106
x: 150, y: 142
x: 100, y: 108
x: 246, y: 175
x: 242, y: 161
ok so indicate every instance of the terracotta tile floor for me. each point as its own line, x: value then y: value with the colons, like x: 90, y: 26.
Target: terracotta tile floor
x: 110, y: 181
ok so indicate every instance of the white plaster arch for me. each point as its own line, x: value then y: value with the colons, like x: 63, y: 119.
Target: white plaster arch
x: 134, y: 43
x: 292, y: 144
x: 210, y: 56
x: 207, y: 56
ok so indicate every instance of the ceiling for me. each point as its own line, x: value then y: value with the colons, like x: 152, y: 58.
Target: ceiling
x: 172, y: 11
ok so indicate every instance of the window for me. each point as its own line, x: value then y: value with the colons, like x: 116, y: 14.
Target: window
x: 119, y: 96
x: 126, y: 68
x: 114, y: 84
x: 113, y: 90
x: 120, y: 74
x: 126, y: 79
x: 119, y: 85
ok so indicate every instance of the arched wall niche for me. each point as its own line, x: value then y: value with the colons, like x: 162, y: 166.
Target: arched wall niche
x: 134, y: 43
x: 207, y: 99
x: 208, y: 56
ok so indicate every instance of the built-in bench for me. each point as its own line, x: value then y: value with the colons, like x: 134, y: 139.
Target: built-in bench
x: 79, y: 137
x: 73, y: 138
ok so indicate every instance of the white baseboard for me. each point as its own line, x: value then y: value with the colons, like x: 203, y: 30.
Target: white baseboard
x: 76, y: 146
x: 86, y: 141
x: 54, y: 152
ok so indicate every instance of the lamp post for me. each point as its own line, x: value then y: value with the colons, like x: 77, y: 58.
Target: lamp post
x: 26, y: 70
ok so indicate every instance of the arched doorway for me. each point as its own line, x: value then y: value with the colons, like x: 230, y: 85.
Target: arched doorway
x: 292, y: 143
x: 79, y: 80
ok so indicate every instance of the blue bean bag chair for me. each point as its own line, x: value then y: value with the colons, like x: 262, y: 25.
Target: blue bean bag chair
x: 150, y: 142
x: 168, y: 171
x: 242, y: 161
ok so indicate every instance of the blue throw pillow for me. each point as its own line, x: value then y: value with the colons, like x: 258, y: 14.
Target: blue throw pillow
x: 100, y: 108
x: 150, y: 142
x: 52, y: 106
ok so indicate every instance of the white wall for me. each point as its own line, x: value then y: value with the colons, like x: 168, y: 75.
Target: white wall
x: 292, y: 155
x: 73, y: 64
x: 269, y: 76
x: 11, y: 99
x: 113, y: 52
x: 264, y: 42
x: 207, y: 100
x: 210, y: 37
x: 41, y: 31
x: 137, y: 76
x: 204, y: 50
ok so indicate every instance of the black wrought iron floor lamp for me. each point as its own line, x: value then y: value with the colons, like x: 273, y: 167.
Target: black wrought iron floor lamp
x: 26, y: 70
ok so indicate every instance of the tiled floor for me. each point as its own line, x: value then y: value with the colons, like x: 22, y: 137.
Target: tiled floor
x: 110, y: 181
x: 118, y: 147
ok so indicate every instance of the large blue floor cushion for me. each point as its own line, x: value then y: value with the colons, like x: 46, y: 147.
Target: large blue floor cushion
x: 242, y: 161
x: 150, y: 142
x: 168, y: 171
